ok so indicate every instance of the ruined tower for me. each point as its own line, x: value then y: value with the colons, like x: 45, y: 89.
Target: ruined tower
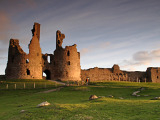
x: 36, y: 30
x: 25, y: 66
x: 35, y: 55
x: 59, y: 39
x: 64, y: 64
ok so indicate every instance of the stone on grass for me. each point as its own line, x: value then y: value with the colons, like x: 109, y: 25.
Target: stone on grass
x: 142, y: 88
x: 92, y: 97
x: 43, y: 104
x: 111, y: 96
x: 135, y: 93
x: 121, y: 98
x: 156, y: 98
x: 22, y: 111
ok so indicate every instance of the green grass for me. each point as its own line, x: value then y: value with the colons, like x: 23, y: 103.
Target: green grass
x: 29, y: 84
x: 71, y: 103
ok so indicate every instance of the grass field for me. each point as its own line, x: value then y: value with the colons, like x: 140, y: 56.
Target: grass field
x: 72, y: 103
x: 26, y: 84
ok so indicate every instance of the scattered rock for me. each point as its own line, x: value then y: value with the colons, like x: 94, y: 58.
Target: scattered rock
x: 156, y: 98
x: 142, y: 88
x: 92, y: 97
x: 135, y: 93
x: 43, y: 104
x: 22, y: 111
x: 121, y: 98
x: 138, y: 95
x: 111, y: 96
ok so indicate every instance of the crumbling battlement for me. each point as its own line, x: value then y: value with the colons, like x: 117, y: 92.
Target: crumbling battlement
x: 105, y: 74
x: 64, y: 64
x: 59, y: 39
x: 36, y: 30
x: 115, y: 74
x: 14, y: 46
x: 21, y: 65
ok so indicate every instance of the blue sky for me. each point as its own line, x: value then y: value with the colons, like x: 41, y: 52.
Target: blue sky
x: 107, y: 32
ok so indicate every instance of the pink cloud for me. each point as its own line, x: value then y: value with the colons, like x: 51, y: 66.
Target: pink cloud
x: 94, y: 47
x: 84, y: 51
x: 6, y: 26
x: 142, y: 58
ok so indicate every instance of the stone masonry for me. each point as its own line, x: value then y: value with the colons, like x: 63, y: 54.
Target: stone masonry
x: 64, y: 64
x: 112, y: 74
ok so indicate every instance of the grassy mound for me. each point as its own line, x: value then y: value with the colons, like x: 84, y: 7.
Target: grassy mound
x: 72, y: 103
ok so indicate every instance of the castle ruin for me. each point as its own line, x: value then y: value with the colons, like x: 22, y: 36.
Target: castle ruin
x: 64, y: 64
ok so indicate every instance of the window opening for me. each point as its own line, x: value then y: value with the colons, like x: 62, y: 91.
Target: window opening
x: 28, y: 72
x: 49, y: 59
x: 47, y: 75
x: 27, y: 61
x: 68, y: 63
x: 58, y: 42
x: 68, y: 53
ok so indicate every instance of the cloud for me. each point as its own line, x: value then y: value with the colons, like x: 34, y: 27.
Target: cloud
x: 152, y: 56
x: 6, y: 26
x: 93, y: 48
x: 17, y: 6
x: 84, y: 51
x: 104, y: 44
x: 142, y: 58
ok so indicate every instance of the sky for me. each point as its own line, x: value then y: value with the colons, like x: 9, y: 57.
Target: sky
x: 107, y: 32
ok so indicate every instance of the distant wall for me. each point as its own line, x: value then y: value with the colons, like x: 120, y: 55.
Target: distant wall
x: 64, y: 64
x: 153, y: 74
x: 136, y: 76
x: 112, y: 74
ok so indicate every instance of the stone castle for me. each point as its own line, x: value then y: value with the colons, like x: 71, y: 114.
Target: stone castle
x: 64, y: 64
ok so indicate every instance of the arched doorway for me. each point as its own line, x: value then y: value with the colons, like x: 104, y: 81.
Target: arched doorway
x: 47, y: 74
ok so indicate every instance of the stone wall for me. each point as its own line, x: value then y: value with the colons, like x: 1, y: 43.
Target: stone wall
x: 112, y: 74
x: 21, y: 65
x: 104, y: 74
x: 67, y: 63
x: 153, y: 74
x: 64, y: 64
x: 136, y: 76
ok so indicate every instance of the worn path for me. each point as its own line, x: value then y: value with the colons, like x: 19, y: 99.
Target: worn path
x: 52, y: 90
x: 58, y: 82
x: 56, y: 89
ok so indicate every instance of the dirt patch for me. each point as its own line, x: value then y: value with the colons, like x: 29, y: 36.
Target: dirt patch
x: 52, y: 90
